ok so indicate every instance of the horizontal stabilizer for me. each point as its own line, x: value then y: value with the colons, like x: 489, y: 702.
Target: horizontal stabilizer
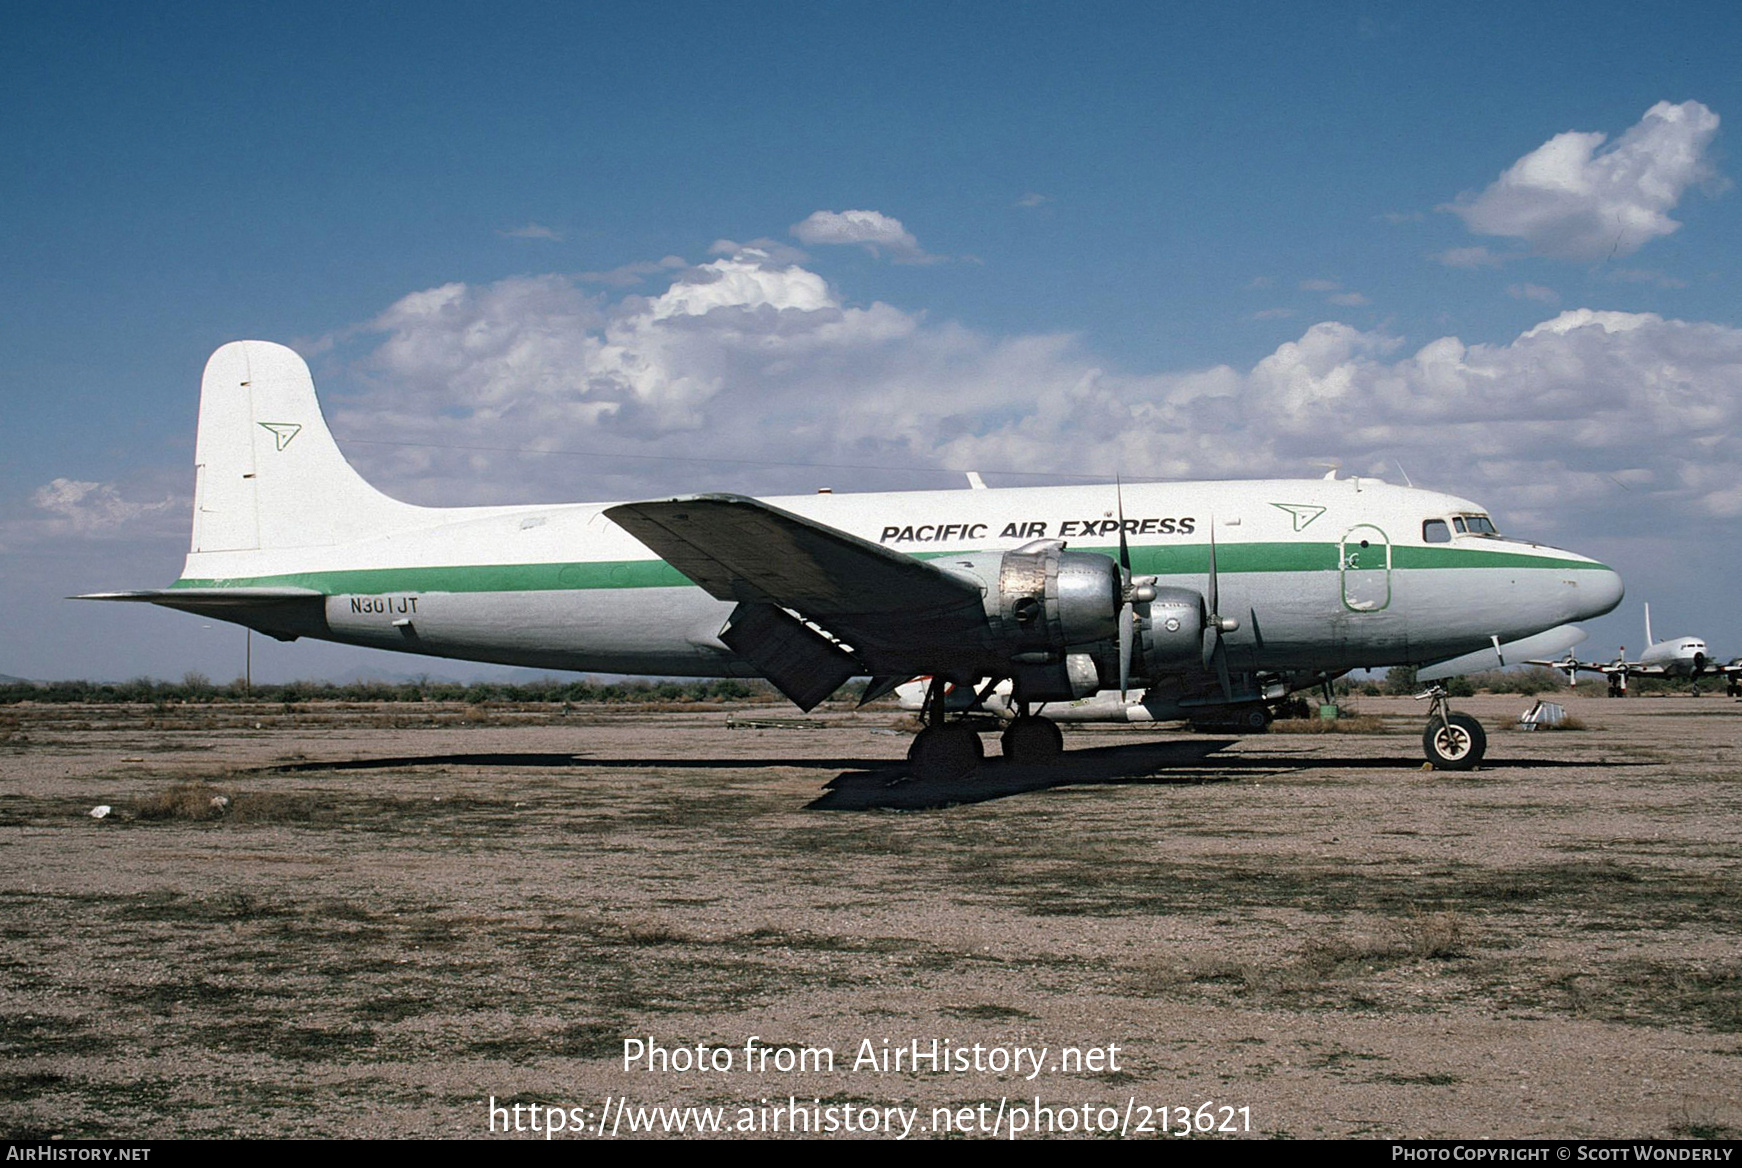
x: 202, y: 599
x: 1546, y: 644
x: 286, y: 613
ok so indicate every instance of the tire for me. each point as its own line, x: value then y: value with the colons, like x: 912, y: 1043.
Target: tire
x: 952, y: 751
x: 1033, y: 741
x: 1454, y: 744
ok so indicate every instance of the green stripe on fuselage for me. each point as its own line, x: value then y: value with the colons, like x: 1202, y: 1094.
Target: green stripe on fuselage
x: 1186, y: 560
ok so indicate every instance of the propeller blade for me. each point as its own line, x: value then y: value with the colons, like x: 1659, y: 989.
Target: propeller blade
x: 1124, y: 548
x: 1127, y: 625
x: 1212, y: 641
x: 1212, y: 596
x: 1222, y: 671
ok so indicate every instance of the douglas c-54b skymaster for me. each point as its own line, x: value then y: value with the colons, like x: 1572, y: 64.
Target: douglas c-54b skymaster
x: 1230, y: 594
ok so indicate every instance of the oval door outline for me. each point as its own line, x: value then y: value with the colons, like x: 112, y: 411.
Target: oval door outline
x: 1365, y: 565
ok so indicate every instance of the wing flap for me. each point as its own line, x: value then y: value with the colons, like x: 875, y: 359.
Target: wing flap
x: 804, y: 665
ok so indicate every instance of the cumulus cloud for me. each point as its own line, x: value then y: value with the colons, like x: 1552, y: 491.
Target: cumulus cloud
x: 750, y: 374
x: 876, y: 232
x: 1572, y: 199
x: 75, y: 509
x: 773, y: 250
x: 1470, y: 258
x: 86, y: 508
x: 626, y: 275
x: 1534, y: 292
x: 534, y: 231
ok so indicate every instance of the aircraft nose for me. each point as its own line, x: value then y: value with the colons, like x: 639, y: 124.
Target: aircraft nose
x: 1599, y: 592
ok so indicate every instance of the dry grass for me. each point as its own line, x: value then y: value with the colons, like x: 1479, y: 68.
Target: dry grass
x: 184, y: 801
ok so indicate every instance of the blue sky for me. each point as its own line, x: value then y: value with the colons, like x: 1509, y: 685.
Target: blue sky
x: 1171, y: 243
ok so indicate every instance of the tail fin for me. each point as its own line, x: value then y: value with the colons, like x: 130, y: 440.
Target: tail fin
x: 267, y: 471
x: 1648, y: 641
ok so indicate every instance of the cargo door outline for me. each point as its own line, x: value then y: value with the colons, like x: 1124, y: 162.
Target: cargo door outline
x: 1365, y: 565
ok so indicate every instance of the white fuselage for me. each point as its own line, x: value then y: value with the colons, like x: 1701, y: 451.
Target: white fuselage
x: 1323, y: 574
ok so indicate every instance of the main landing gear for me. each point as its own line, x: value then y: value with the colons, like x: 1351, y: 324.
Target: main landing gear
x: 945, y: 750
x: 1453, y: 742
x: 1033, y: 741
x: 949, y: 750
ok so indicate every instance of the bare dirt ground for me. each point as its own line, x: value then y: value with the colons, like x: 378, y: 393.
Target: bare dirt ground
x: 403, y: 912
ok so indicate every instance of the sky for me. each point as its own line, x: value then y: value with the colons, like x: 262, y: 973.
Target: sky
x: 547, y: 253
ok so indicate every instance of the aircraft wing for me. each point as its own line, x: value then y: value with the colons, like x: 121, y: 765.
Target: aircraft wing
x: 1569, y: 662
x: 886, y: 612
x: 739, y: 548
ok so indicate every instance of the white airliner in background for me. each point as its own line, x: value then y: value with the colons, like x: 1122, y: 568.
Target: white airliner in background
x: 1218, y: 594
x: 1685, y: 658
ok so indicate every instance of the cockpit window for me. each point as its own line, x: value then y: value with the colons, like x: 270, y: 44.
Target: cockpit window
x: 1435, y: 531
x: 1475, y: 525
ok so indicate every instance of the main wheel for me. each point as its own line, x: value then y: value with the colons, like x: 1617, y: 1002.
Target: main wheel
x: 1456, y: 743
x: 1033, y: 741
x: 945, y: 752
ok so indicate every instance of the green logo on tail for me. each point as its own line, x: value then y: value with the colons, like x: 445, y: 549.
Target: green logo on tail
x: 282, y: 432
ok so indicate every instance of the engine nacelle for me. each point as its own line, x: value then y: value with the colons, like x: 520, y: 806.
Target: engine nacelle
x: 1173, y: 633
x: 1041, y: 600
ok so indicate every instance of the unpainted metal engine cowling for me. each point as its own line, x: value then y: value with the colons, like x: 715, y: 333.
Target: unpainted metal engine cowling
x: 1041, y: 600
x: 1173, y: 632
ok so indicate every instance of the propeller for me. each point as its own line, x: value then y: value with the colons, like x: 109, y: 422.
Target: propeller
x: 1138, y: 590
x: 1215, y: 652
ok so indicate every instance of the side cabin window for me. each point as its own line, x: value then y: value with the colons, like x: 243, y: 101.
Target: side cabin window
x: 1435, y: 531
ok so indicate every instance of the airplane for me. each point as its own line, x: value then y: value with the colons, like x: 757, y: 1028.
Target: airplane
x: 1207, y: 595
x: 1678, y: 657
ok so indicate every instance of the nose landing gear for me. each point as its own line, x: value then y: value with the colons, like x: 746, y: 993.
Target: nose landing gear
x: 1452, y: 742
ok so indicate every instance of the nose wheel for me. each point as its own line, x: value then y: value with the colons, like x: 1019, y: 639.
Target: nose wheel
x: 1452, y: 742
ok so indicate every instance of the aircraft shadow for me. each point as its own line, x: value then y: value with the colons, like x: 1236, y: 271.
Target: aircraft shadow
x: 568, y: 762
x: 866, y: 784
x: 893, y: 788
x: 887, y: 787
